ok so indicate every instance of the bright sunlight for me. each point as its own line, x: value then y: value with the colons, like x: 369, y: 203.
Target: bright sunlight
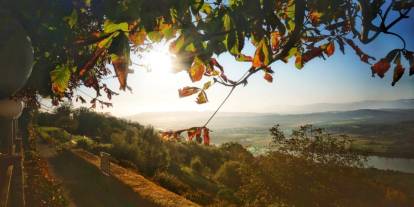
x: 158, y: 59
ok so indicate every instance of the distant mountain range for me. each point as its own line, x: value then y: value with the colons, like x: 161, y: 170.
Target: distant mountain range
x: 324, y: 107
x: 365, y: 111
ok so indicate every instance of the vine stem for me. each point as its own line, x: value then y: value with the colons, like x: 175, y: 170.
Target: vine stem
x: 218, y: 108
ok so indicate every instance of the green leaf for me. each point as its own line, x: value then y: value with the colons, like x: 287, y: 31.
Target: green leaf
x: 60, y: 77
x: 227, y: 23
x: 207, y: 85
x: 235, y: 3
x: 88, y: 2
x: 110, y: 27
x: 196, y: 5
x: 232, y: 43
x: 106, y: 43
x: 177, y: 45
x: 206, y: 9
x: 291, y: 53
x: 190, y: 47
x: 72, y: 20
x: 155, y: 36
x: 202, y: 97
x: 266, y: 52
x: 167, y: 31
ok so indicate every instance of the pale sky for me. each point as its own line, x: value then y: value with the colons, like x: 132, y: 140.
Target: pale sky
x: 341, y: 78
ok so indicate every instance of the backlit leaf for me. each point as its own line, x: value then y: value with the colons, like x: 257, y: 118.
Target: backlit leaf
x: 206, y: 136
x: 206, y: 8
x: 177, y: 45
x: 187, y: 91
x: 299, y: 61
x: 202, y: 97
x: 60, y: 77
x: 110, y: 27
x: 121, y: 64
x: 244, y: 58
x: 227, y: 23
x: 197, y: 70
x: 190, y: 48
x: 398, y: 73
x: 207, y: 85
x: 106, y: 43
x: 275, y: 38
x: 258, y: 56
x: 155, y: 36
x: 410, y: 58
x: 315, y: 17
x: 268, y: 77
x: 119, y: 52
x: 380, y: 68
x: 330, y: 49
x: 138, y: 38
x: 262, y: 55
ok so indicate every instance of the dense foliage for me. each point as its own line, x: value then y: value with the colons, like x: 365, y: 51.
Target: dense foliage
x: 229, y: 175
x: 75, y: 41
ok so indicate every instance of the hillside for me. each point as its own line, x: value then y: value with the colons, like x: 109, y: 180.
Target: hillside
x: 229, y: 175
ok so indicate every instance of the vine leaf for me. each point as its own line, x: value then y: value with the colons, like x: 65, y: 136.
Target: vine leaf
x: 207, y: 85
x: 330, y: 49
x: 120, y: 59
x: 299, y: 61
x: 398, y: 73
x: 262, y: 55
x: 410, y: 58
x: 315, y: 17
x: 380, y: 68
x: 244, y: 58
x: 275, y: 38
x: 187, y: 91
x: 138, y: 38
x: 60, y: 78
x: 72, y: 19
x: 110, y: 27
x: 197, y: 70
x: 202, y: 97
x: 206, y: 136
x: 268, y: 77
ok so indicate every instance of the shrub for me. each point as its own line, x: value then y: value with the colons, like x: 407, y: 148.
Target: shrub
x: 229, y: 174
x: 85, y: 143
x: 196, y: 164
x: 171, y: 182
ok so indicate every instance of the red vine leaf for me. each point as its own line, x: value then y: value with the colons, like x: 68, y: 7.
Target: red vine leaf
x: 398, y: 72
x: 197, y: 70
x: 206, y: 136
x: 380, y: 68
x: 187, y: 91
x: 275, y: 37
x: 268, y: 77
x: 330, y: 49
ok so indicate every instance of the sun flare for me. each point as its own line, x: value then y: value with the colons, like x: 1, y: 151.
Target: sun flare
x: 158, y: 59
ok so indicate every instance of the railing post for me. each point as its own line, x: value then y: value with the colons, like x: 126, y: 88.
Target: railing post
x: 105, y: 163
x: 11, y: 175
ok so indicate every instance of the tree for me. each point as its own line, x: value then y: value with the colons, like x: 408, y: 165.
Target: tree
x: 316, y: 145
x: 75, y: 41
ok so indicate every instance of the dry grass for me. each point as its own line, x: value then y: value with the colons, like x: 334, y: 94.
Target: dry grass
x: 140, y: 185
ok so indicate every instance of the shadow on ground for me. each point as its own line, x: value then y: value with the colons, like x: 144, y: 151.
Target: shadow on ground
x: 88, y: 187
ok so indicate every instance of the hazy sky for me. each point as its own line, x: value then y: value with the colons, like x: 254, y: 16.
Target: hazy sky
x: 341, y: 78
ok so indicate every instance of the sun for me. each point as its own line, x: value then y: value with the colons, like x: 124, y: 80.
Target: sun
x: 158, y: 59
